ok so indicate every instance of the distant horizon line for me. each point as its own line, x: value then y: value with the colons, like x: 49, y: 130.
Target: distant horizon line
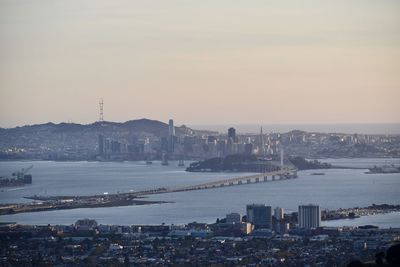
x: 213, y: 124
x: 300, y: 123
x: 377, y: 128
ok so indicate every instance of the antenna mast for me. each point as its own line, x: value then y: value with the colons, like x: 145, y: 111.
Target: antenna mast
x: 101, y: 104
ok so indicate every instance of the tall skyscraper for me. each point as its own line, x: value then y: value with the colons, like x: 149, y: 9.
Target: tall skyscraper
x: 259, y: 215
x: 171, y: 136
x: 171, y: 128
x: 232, y: 134
x: 262, y: 144
x: 309, y: 216
x: 278, y: 213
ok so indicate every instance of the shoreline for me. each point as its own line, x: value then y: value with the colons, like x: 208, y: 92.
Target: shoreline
x: 358, y: 212
x: 68, y: 205
x: 325, y: 223
x: 188, y: 159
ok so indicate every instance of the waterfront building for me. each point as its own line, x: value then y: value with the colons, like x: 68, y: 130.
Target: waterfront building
x: 248, y: 148
x: 85, y: 224
x: 278, y: 213
x: 233, y: 218
x: 259, y: 215
x: 309, y: 216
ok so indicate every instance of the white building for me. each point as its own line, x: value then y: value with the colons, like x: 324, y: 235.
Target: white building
x: 278, y: 213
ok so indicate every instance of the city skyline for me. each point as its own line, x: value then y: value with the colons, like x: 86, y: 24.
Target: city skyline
x: 208, y: 62
x: 205, y: 133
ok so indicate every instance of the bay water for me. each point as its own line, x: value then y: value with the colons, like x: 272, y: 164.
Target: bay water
x: 338, y: 188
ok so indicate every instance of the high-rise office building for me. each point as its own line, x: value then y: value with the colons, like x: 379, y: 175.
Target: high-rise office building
x: 262, y: 144
x: 309, y: 216
x: 171, y: 136
x: 259, y: 215
x: 232, y: 133
x: 278, y: 213
x: 171, y: 128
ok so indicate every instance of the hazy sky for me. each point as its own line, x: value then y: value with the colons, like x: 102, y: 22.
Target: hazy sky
x: 200, y: 62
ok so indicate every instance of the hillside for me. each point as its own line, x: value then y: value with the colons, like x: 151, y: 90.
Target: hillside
x: 79, y: 137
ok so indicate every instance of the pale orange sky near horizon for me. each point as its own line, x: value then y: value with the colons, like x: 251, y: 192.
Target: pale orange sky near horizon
x: 200, y: 62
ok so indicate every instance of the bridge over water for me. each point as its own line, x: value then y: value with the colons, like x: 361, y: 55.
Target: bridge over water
x: 124, y: 199
x: 283, y: 174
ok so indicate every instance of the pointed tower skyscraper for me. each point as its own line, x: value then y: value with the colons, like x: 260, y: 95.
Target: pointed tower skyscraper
x: 262, y: 144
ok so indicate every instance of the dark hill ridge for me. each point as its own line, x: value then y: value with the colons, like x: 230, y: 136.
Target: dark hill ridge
x: 155, y: 127
x: 81, y: 138
x: 145, y: 123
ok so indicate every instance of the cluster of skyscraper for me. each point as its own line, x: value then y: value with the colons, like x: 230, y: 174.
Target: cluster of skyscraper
x: 168, y: 142
x: 109, y: 146
x: 187, y: 143
x: 260, y: 216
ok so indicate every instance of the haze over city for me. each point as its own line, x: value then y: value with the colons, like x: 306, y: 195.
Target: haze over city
x: 200, y: 62
x: 199, y: 133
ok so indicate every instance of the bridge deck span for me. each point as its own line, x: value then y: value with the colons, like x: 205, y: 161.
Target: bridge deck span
x: 256, y: 178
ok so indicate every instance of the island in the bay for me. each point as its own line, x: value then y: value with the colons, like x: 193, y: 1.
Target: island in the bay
x: 252, y: 163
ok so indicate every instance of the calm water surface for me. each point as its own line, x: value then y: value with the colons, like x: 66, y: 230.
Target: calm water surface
x: 336, y: 189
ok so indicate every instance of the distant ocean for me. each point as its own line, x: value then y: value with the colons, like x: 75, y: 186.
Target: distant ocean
x: 387, y: 128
